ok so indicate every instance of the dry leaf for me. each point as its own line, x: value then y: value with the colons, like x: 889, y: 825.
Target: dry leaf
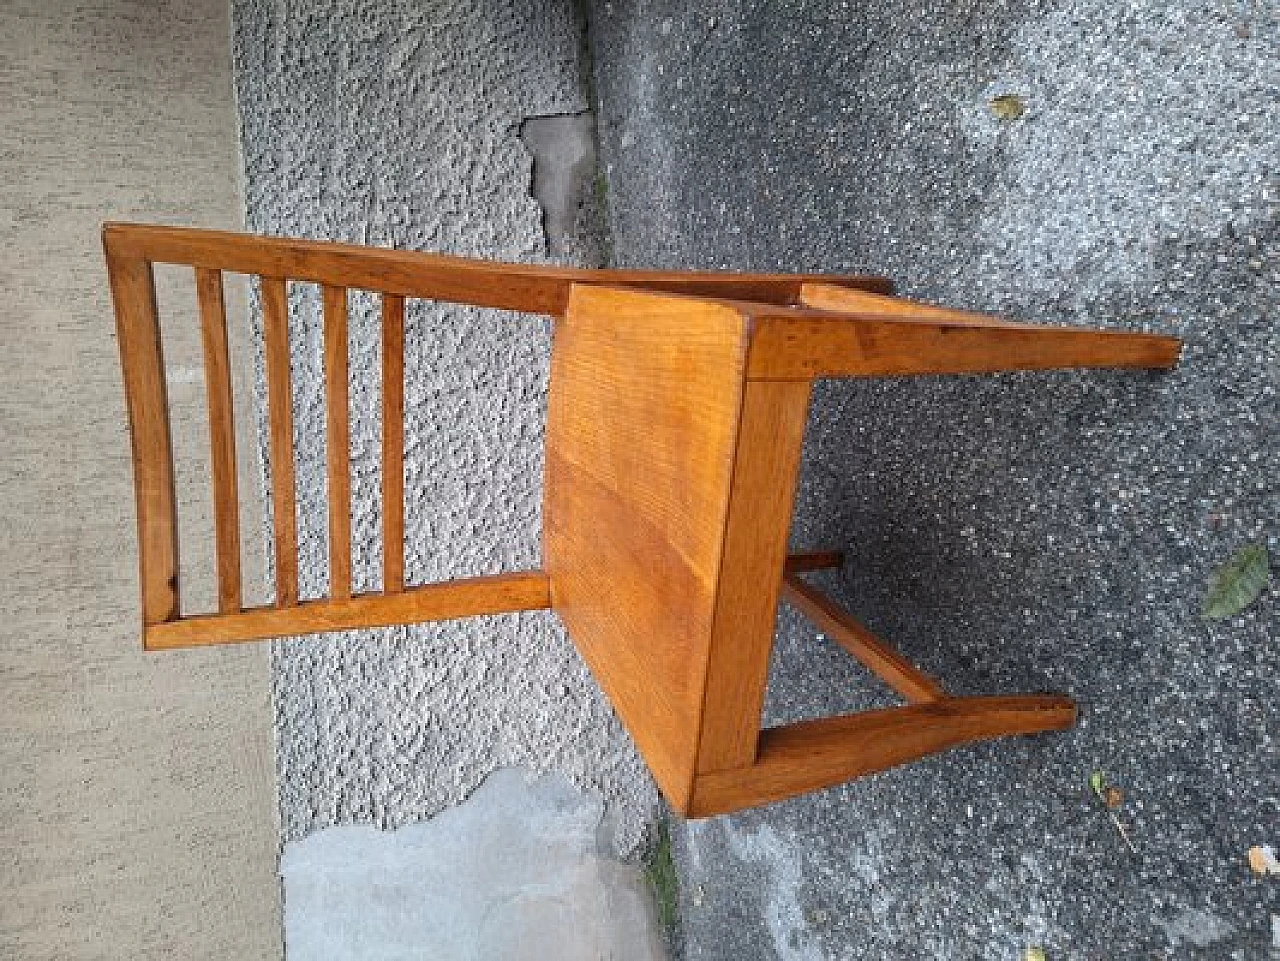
x: 1238, y: 583
x: 1114, y: 798
x: 1262, y: 860
x: 1035, y: 953
x: 1008, y: 106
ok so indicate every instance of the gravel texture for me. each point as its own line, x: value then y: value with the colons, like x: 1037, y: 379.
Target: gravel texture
x: 1015, y: 533
x: 398, y: 124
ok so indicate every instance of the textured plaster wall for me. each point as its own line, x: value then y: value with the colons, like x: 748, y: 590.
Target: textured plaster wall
x: 397, y: 124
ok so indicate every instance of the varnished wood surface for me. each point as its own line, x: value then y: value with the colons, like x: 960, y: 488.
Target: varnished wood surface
x: 832, y: 297
x: 337, y: 441
x: 142, y: 361
x: 877, y: 656
x: 284, y: 511
x: 815, y: 754
x: 499, y: 594
x: 797, y: 344
x: 392, y: 443
x: 531, y: 288
x: 766, y: 468
x: 641, y: 436
x: 222, y: 437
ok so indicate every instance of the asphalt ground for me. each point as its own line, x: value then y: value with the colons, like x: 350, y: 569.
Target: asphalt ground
x: 1023, y: 532
x: 394, y: 123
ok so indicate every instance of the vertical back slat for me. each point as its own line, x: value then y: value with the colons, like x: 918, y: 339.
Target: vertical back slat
x: 337, y: 441
x: 222, y: 436
x: 142, y: 360
x: 392, y: 443
x: 275, y: 317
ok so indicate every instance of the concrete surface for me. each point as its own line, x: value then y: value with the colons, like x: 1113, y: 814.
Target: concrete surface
x: 137, y: 814
x: 564, y: 171
x: 398, y: 124
x: 1031, y: 532
x: 514, y: 872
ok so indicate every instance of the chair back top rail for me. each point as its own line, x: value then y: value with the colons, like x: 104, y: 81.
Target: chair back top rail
x: 530, y: 288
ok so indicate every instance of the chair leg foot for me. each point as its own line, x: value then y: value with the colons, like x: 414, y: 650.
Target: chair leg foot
x: 810, y: 755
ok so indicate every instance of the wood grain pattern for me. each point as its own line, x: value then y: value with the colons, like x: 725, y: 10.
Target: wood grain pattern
x: 222, y: 436
x: 815, y: 754
x: 877, y: 656
x: 337, y: 441
x: 142, y: 362
x: 498, y: 594
x: 801, y: 345
x: 534, y: 289
x: 832, y: 297
x: 392, y: 444
x: 766, y: 468
x: 284, y: 512
x: 641, y: 433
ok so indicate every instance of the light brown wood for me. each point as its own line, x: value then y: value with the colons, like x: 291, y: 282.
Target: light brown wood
x: 766, y: 467
x: 877, y: 656
x: 284, y: 512
x: 337, y: 441
x: 222, y: 436
x: 142, y: 361
x: 498, y: 594
x: 864, y: 303
x: 815, y: 754
x: 392, y: 444
x: 801, y: 345
x: 523, y: 287
x: 641, y: 436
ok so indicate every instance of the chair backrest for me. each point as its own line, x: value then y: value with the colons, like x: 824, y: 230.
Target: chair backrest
x: 131, y: 250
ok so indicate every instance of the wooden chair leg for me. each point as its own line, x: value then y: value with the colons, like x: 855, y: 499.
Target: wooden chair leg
x: 803, y: 344
x: 843, y: 331
x: 823, y: 296
x: 877, y: 656
x: 810, y: 755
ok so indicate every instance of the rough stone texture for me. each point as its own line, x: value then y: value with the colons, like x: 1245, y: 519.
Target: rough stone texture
x: 1030, y: 532
x: 514, y: 872
x: 397, y: 124
x: 137, y: 803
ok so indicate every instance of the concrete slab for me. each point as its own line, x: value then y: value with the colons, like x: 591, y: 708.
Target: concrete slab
x: 513, y: 872
x: 1048, y: 532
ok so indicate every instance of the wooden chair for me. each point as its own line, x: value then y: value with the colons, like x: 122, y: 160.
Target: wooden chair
x: 675, y: 421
